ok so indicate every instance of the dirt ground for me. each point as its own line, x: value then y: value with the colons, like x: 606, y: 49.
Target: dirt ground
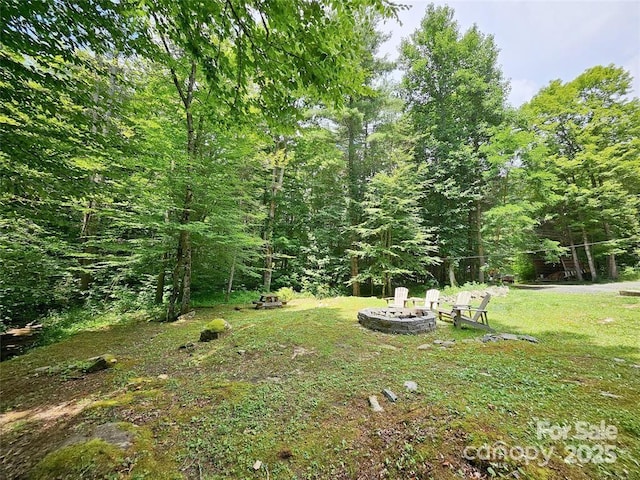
x: 585, y: 288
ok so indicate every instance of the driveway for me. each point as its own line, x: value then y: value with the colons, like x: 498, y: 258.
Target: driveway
x: 587, y: 288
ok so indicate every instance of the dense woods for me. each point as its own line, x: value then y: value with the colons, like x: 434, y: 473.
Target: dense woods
x: 153, y: 151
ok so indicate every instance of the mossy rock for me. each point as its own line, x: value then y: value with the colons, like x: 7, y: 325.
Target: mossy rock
x: 102, y: 362
x: 214, y: 329
x: 112, y: 450
x: 93, y: 459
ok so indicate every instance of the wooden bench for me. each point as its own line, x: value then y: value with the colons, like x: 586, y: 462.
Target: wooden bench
x: 268, y: 300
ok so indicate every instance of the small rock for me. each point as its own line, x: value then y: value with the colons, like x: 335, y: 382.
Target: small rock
x: 424, y: 346
x: 392, y: 397
x: 485, y: 374
x: 187, y: 316
x: 258, y: 465
x: 114, y: 434
x: 528, y: 338
x: 388, y: 347
x: 635, y: 366
x: 490, y: 338
x: 375, y: 406
x: 411, y: 386
x: 163, y: 376
x: 448, y: 343
x: 187, y: 346
x: 241, y: 352
x: 606, y: 320
x: 43, y: 369
x: 438, y: 342
x: 508, y: 336
x: 610, y: 395
x: 619, y: 360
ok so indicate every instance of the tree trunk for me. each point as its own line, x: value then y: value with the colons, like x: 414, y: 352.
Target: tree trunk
x: 574, y: 255
x: 175, y: 282
x: 232, y: 272
x: 181, y: 282
x: 85, y: 234
x: 161, y: 279
x: 268, y: 268
x: 353, y: 194
x: 612, y: 266
x: 276, y: 186
x: 481, y: 257
x: 587, y: 249
x: 452, y: 274
x: 354, y: 273
x: 186, y: 279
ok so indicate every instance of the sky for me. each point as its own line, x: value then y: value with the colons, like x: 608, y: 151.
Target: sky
x: 540, y: 40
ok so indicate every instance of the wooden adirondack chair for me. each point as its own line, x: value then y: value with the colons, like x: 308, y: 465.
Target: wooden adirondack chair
x: 473, y: 317
x: 399, y: 299
x: 462, y: 302
x: 431, y: 300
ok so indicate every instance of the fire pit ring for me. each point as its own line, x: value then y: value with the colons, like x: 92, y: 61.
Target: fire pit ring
x: 397, y: 320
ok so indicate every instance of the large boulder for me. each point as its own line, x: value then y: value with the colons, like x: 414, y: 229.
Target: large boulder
x: 214, y: 329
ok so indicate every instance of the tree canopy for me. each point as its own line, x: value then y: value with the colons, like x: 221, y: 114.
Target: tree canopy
x: 154, y: 151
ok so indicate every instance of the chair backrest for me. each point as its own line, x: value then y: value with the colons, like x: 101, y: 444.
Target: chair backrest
x: 485, y: 301
x: 463, y: 299
x: 482, y: 307
x: 431, y: 299
x: 399, y: 297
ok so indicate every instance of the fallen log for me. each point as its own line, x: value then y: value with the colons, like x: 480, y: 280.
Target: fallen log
x: 16, y: 340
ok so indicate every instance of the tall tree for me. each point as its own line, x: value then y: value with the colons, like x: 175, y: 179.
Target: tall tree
x: 395, y: 242
x: 455, y: 92
x: 587, y: 125
x: 284, y: 50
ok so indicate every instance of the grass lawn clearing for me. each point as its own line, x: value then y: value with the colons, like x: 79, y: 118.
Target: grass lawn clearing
x: 289, y: 388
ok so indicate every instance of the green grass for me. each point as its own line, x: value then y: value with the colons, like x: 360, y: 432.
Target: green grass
x: 289, y: 387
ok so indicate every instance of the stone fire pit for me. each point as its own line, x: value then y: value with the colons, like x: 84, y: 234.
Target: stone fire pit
x: 397, y: 320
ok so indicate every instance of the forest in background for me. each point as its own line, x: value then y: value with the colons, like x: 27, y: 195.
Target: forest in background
x: 154, y: 151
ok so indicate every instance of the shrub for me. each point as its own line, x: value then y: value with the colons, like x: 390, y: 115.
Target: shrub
x: 285, y: 294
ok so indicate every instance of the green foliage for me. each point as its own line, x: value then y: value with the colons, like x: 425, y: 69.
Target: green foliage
x: 523, y: 268
x: 455, y: 93
x: 630, y: 273
x: 394, y: 240
x: 591, y: 166
x: 285, y: 294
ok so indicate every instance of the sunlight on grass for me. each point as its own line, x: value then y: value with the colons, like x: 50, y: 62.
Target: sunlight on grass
x: 289, y: 387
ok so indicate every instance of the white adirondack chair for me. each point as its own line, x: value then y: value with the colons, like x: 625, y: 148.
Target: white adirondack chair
x: 399, y: 298
x: 462, y: 302
x: 474, y: 317
x: 431, y: 300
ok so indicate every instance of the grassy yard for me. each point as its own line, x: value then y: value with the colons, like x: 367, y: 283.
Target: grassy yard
x: 289, y: 387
